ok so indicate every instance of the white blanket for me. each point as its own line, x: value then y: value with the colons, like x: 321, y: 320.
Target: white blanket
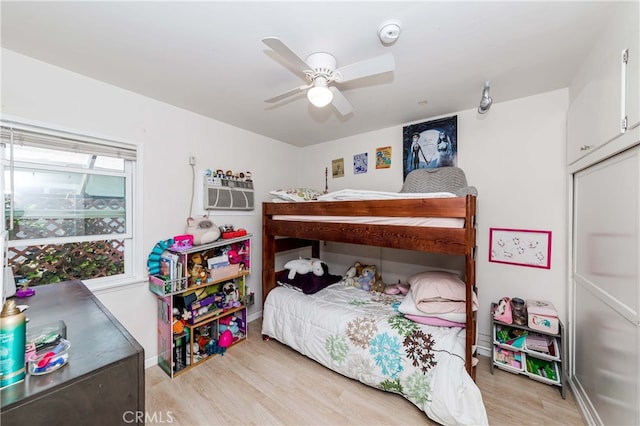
x: 362, y: 194
x: 360, y: 335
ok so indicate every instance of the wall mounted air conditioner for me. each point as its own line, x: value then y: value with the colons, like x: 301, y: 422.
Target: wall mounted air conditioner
x: 227, y: 194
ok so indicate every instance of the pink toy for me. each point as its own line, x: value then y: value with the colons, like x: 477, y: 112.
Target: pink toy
x: 182, y: 242
x: 398, y: 288
x: 225, y: 340
x: 502, y: 311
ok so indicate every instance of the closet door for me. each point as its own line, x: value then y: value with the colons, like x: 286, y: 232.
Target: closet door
x: 606, y: 287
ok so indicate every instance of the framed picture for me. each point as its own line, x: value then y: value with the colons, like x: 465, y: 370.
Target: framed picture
x: 430, y: 144
x: 520, y: 247
x: 337, y: 168
x: 360, y: 163
x: 383, y: 157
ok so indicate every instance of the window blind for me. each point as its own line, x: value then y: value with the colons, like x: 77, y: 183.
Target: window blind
x: 40, y: 137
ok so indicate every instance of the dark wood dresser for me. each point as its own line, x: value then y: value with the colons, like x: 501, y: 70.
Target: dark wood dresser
x: 103, y: 383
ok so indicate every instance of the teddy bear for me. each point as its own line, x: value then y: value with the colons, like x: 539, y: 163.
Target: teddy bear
x: 367, y: 277
x: 203, y: 230
x: 391, y: 289
x: 361, y: 276
x: 306, y: 265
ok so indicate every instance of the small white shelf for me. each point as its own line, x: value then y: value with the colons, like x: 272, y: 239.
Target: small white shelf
x: 506, y: 352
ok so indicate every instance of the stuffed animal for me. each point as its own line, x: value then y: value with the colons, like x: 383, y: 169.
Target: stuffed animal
x: 195, y: 267
x: 391, y: 289
x: 177, y: 324
x: 378, y: 286
x: 203, y: 230
x: 367, y: 277
x: 361, y: 276
x: 398, y: 288
x: 502, y: 311
x: 306, y: 265
x: 232, y: 297
x: 349, y: 278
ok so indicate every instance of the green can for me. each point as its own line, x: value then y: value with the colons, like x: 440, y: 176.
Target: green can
x: 13, y: 335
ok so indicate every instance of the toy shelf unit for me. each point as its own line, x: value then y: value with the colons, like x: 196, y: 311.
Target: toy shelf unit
x: 202, y: 294
x: 519, y: 349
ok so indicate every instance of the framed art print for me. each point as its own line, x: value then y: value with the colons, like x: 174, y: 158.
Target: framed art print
x: 337, y: 168
x: 521, y: 247
x: 360, y: 163
x: 429, y: 145
x: 383, y: 157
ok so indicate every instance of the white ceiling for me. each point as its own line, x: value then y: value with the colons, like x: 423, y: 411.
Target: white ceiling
x: 207, y: 56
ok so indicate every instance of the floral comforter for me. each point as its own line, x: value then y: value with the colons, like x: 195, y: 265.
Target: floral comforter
x: 361, y: 336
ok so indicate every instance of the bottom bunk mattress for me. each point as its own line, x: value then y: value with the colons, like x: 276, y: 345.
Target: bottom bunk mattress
x: 362, y: 336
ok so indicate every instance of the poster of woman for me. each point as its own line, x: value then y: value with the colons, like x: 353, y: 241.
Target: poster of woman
x: 430, y: 144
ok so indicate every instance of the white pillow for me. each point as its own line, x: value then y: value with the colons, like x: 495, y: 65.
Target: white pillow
x: 440, y: 291
x: 437, y: 285
x: 296, y: 194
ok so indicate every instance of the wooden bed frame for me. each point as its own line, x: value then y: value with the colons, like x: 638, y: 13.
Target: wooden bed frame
x: 283, y: 235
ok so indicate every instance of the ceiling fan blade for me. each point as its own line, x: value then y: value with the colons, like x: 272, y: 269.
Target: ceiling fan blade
x: 340, y: 103
x: 367, y: 67
x: 280, y: 48
x: 288, y: 93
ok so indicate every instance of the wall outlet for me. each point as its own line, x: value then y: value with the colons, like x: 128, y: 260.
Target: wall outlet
x: 192, y: 160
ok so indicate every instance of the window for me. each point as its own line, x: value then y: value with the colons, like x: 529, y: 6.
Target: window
x: 68, y: 206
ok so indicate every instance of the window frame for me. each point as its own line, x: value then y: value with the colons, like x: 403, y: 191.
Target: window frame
x: 134, y: 270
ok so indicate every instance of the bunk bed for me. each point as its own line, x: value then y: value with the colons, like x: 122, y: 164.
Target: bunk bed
x: 379, y: 222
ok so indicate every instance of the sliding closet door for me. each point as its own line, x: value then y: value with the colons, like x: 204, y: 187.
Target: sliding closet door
x: 606, y: 288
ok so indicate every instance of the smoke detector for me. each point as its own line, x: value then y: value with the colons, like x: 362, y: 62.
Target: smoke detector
x: 389, y: 31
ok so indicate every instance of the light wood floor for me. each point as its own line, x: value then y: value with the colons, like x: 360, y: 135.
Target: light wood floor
x: 266, y: 383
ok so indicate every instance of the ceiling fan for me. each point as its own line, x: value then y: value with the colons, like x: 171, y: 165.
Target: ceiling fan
x: 320, y: 69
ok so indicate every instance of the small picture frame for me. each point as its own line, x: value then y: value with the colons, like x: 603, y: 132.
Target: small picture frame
x: 337, y: 168
x: 521, y: 247
x: 360, y: 163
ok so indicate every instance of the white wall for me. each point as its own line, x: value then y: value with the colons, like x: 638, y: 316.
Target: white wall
x: 40, y: 92
x: 514, y: 155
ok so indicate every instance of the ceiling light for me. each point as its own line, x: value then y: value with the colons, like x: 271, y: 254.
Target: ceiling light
x: 320, y: 95
x: 485, y: 101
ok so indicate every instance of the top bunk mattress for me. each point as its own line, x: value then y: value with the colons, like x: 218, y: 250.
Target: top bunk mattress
x: 362, y: 194
x: 437, y: 222
x: 366, y: 195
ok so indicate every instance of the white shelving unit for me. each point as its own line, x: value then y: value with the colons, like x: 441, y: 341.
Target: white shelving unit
x: 545, y: 367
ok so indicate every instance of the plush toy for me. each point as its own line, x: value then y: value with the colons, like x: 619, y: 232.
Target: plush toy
x: 232, y: 296
x: 196, y: 266
x: 349, y: 278
x: 367, y: 277
x: 178, y: 324
x: 398, y: 288
x: 231, y: 325
x: 203, y: 230
x: 502, y: 311
x: 306, y: 265
x: 378, y: 286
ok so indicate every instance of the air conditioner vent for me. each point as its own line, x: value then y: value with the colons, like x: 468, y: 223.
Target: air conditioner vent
x: 227, y: 194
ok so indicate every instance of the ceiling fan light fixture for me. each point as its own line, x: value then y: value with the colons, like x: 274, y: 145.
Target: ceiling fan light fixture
x: 320, y: 95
